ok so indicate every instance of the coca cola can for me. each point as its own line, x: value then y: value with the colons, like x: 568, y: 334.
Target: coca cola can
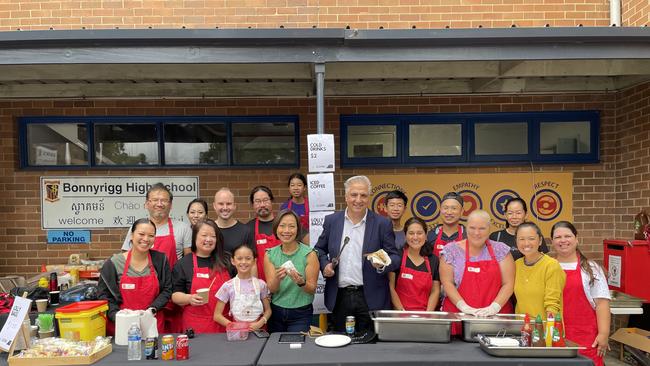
x: 182, y: 348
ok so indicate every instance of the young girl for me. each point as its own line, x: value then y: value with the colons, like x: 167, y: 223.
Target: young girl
x: 248, y: 295
x: 298, y: 202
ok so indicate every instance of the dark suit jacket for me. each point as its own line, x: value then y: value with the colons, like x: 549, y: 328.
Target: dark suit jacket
x: 378, y: 235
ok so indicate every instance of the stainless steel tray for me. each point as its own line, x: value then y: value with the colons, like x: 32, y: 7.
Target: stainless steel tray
x: 623, y: 300
x: 414, y: 326
x: 510, y: 324
x: 545, y: 352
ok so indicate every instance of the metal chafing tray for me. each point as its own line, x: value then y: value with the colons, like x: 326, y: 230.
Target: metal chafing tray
x: 622, y: 300
x: 414, y: 326
x: 510, y: 324
x: 545, y: 352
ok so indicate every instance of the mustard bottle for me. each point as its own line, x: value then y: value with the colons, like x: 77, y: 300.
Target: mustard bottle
x: 548, y: 335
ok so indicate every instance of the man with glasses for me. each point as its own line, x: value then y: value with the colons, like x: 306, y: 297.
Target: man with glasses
x: 451, y: 210
x: 395, y: 207
x: 173, y: 237
x: 261, y: 198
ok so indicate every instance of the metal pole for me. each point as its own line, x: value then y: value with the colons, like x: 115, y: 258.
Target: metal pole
x: 319, y: 69
x: 615, y: 13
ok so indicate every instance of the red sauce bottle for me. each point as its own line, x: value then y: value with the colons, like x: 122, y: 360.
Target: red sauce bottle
x: 526, y: 332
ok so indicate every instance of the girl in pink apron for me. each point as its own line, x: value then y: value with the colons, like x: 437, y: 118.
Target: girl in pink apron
x: 247, y: 295
x: 586, y: 295
x: 410, y: 288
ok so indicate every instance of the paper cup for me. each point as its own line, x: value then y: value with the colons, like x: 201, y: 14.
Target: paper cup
x: 41, y: 305
x: 54, y: 297
x: 203, y: 292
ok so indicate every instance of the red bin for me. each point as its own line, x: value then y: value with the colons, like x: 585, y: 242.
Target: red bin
x: 628, y: 263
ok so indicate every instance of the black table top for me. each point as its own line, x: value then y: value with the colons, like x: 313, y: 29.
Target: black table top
x: 397, y: 353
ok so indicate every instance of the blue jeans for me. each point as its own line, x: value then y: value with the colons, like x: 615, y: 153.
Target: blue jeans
x: 290, y: 320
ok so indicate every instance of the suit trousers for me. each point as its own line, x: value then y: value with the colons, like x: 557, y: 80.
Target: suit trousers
x: 351, y: 301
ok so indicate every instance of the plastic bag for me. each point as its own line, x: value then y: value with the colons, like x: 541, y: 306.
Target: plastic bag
x: 148, y: 324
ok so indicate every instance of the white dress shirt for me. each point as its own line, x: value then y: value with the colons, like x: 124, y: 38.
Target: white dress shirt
x: 351, y: 258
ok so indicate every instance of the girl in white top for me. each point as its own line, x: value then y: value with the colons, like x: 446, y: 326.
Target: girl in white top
x: 248, y: 295
x: 586, y: 294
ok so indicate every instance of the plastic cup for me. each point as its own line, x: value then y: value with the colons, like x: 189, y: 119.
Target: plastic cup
x: 203, y: 292
x: 41, y: 305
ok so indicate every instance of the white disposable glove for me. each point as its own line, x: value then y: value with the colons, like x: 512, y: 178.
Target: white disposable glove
x: 490, y: 310
x: 464, y: 308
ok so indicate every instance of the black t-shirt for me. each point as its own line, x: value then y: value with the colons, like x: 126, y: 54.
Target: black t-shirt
x: 184, y: 272
x: 433, y: 234
x: 235, y: 235
x: 505, y: 237
x: 433, y: 261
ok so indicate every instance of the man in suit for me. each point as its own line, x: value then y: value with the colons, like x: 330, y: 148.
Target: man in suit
x: 355, y: 286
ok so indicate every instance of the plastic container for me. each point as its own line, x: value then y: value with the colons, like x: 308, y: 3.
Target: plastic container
x: 237, y: 331
x: 83, y: 320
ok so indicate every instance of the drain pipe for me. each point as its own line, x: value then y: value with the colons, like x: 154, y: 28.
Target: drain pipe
x: 615, y: 13
x: 319, y: 70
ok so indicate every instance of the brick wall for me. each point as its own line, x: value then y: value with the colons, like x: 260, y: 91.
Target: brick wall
x: 362, y: 14
x: 635, y: 13
x: 22, y: 247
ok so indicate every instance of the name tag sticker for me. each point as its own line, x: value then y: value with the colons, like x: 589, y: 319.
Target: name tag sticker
x: 474, y: 269
x: 203, y: 275
x: 128, y: 286
x: 440, y: 246
x: 261, y: 241
x: 407, y: 276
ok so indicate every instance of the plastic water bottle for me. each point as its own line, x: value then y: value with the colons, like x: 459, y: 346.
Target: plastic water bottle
x: 135, y: 344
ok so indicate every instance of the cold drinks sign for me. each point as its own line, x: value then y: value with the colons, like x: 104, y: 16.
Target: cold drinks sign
x: 104, y: 202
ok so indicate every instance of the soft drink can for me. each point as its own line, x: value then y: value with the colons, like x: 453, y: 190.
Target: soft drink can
x: 349, y: 325
x: 182, y: 348
x: 167, y: 347
x: 151, y: 348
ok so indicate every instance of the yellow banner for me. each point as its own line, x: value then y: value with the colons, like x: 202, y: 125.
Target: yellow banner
x: 547, y: 195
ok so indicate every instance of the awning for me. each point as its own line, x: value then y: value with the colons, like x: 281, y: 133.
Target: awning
x: 184, y: 63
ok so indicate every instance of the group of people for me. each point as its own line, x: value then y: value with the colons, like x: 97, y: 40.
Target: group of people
x: 265, y: 272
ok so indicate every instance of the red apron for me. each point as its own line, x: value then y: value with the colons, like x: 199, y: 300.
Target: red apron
x: 414, y: 287
x: 201, y: 318
x: 304, y: 219
x: 263, y: 243
x: 480, y: 285
x: 439, y: 243
x: 580, y: 323
x: 138, y: 292
x: 172, y: 312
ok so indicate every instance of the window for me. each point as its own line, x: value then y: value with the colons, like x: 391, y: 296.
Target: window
x: 470, y: 139
x: 159, y: 141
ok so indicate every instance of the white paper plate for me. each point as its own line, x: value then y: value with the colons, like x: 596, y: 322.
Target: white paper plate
x: 333, y: 340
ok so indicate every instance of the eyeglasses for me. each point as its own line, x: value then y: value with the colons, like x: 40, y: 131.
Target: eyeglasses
x: 159, y: 200
x: 395, y: 205
x: 262, y: 201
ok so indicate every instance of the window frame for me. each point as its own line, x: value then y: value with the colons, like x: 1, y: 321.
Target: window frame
x: 159, y: 122
x: 468, y: 121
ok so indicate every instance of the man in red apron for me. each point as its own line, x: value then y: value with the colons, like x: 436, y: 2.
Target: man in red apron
x: 451, y: 210
x: 261, y: 198
x: 179, y: 235
x: 200, y: 318
x: 480, y: 285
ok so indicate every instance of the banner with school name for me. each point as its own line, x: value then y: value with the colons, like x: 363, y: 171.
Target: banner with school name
x: 547, y: 195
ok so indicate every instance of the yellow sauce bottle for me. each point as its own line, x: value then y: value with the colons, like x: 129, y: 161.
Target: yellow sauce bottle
x: 548, y: 335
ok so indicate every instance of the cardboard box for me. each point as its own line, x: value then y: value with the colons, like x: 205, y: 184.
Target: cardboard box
x: 633, y: 337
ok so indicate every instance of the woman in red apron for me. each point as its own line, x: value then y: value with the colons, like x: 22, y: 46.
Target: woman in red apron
x: 298, y: 202
x: 486, y: 283
x: 586, y: 295
x: 413, y: 288
x: 198, y: 277
x: 150, y: 290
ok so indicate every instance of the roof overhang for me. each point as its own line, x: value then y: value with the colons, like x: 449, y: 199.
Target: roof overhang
x: 280, y: 62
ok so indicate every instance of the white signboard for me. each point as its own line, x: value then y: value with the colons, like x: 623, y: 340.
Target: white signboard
x: 321, y: 153
x: 45, y: 156
x: 614, y: 270
x: 14, y: 322
x: 320, y: 188
x: 104, y: 202
x: 316, y: 220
